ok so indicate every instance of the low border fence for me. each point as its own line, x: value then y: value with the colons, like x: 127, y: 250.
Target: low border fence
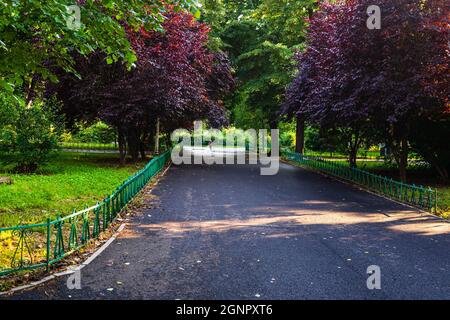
x: 88, y: 146
x: 33, y: 246
x: 418, y: 196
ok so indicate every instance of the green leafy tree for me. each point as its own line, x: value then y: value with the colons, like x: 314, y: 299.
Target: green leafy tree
x: 27, y: 135
x: 99, y: 132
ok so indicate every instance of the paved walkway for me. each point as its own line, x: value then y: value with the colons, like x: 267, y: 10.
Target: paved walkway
x: 225, y: 232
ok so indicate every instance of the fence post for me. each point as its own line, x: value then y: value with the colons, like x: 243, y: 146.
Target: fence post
x: 48, y: 243
x: 435, y: 201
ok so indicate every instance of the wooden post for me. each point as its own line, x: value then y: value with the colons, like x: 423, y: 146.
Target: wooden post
x: 157, y: 137
x: 300, y: 135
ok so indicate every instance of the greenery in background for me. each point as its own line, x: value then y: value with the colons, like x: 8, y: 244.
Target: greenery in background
x: 227, y: 137
x: 287, y: 135
x: 28, y: 134
x: 39, y: 42
x: 35, y: 36
x: 99, y: 132
x: 323, y: 143
x: 71, y: 180
x: 261, y: 38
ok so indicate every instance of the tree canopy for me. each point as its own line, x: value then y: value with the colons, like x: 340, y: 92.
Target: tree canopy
x: 177, y: 79
x: 374, y: 81
x: 260, y: 37
x: 35, y: 36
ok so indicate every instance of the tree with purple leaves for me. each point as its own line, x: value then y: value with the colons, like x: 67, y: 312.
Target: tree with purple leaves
x: 379, y: 83
x: 176, y: 80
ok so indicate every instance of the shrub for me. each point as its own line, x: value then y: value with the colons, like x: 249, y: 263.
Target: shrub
x: 99, y: 132
x: 27, y: 136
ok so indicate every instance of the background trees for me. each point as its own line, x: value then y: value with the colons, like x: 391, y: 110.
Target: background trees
x: 377, y: 84
x: 261, y: 37
x: 135, y: 65
x: 35, y: 36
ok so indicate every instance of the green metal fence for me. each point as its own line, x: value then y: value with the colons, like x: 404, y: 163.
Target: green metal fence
x: 418, y: 196
x: 33, y: 246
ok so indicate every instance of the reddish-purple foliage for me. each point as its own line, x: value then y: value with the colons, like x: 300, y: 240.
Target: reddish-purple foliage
x: 176, y: 79
x: 384, y: 81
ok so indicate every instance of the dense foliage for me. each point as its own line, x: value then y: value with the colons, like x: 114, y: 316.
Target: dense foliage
x: 176, y: 79
x: 261, y: 37
x: 377, y: 84
x: 40, y: 41
x: 27, y: 135
x: 35, y: 36
x: 98, y: 132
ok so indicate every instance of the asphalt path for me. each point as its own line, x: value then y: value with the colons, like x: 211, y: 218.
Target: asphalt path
x: 226, y: 232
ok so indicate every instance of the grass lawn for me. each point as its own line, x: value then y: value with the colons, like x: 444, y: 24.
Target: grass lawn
x: 68, y: 181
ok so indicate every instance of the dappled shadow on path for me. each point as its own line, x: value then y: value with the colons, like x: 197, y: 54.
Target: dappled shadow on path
x: 228, y: 233
x: 418, y: 224
x: 218, y: 199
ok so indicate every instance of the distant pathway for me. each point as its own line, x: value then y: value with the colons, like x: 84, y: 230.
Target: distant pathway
x: 225, y: 232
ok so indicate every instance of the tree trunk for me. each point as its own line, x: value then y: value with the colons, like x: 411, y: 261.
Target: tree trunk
x: 300, y: 135
x: 142, y: 151
x: 122, y: 146
x: 354, y: 147
x: 398, y: 141
x: 352, y: 157
x: 30, y: 91
x: 133, y: 144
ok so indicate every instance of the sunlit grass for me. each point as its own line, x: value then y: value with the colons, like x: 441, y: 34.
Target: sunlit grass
x: 68, y: 181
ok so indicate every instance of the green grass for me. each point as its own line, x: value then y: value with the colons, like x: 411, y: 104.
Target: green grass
x: 443, y: 200
x: 68, y: 181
